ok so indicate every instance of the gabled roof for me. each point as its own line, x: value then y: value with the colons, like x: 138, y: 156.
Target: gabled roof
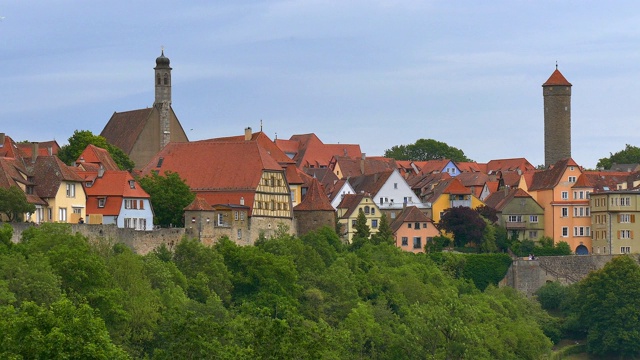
x: 371, y: 183
x: 215, y: 165
x: 49, y: 172
x: 431, y: 166
x: 625, y: 167
x: 315, y: 199
x: 510, y: 178
x: 124, y: 128
x: 469, y: 179
x: 549, y: 178
x: 351, y: 167
x: 199, y: 204
x: 116, y: 183
x: 98, y: 156
x: 334, y: 189
x: 451, y: 186
x: 310, y: 151
x: 9, y: 148
x: 45, y: 148
x: 409, y: 214
x: 264, y: 141
x: 557, y: 78
x: 326, y: 177
x: 427, y: 180
x: 501, y: 198
x: 504, y: 165
x: 468, y: 166
x: 350, y: 203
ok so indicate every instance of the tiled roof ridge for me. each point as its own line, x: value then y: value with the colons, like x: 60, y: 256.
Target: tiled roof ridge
x: 557, y: 78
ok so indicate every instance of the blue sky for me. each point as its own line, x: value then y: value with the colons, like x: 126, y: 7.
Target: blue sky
x: 378, y: 73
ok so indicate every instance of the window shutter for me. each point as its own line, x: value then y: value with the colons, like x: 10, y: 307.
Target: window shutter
x: 618, y: 234
x: 631, y: 234
x: 633, y: 218
x: 619, y: 218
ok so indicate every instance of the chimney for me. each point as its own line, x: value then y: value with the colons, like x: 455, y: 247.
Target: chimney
x: 34, y: 151
x: 247, y: 134
x: 362, y: 163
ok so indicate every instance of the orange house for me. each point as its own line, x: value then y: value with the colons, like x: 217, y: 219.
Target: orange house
x: 412, y: 230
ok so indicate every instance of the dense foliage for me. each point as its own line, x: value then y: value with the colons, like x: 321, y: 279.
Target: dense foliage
x: 70, y: 152
x: 426, y: 149
x: 169, y: 196
x: 630, y: 155
x: 13, y: 203
x: 466, y: 225
x: 285, y: 298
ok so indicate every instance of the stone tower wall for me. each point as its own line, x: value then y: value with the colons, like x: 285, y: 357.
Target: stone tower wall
x: 557, y: 123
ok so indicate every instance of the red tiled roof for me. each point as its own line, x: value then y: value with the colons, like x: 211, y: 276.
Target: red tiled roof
x: 513, y: 164
x: 599, y: 180
x: 315, y: 199
x: 48, y: 173
x: 95, y: 155
x: 468, y: 166
x: 264, y: 141
x: 350, y: 202
x: 116, y: 183
x: 501, y: 198
x: 449, y: 186
x: 45, y: 148
x: 312, y: 152
x: 557, y: 78
x: 431, y: 166
x: 371, y: 183
x: 198, y: 204
x: 293, y: 175
x: 124, y: 128
x: 469, y: 179
x: 409, y: 214
x: 549, y: 178
x: 10, y: 149
x: 351, y: 167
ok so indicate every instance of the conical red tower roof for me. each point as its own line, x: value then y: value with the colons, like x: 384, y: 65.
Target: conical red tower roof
x: 557, y: 79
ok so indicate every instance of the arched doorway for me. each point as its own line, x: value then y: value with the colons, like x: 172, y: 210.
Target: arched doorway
x: 582, y: 250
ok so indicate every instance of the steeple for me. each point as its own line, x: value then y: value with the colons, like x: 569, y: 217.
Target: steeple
x: 163, y: 80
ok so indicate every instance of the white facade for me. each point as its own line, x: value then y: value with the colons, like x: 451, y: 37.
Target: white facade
x: 135, y: 214
x: 345, y: 189
x: 395, y: 194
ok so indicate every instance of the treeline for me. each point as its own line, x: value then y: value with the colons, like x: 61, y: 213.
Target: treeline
x: 290, y: 298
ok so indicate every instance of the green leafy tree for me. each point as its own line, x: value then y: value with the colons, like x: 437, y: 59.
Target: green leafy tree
x: 80, y: 139
x: 466, y: 225
x: 630, y: 155
x: 13, y: 203
x: 488, y: 213
x: 384, y: 234
x: 426, y: 149
x: 610, y: 308
x: 170, y: 194
x: 363, y: 232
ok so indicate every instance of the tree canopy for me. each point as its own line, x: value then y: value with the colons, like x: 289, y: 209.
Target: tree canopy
x: 169, y: 196
x: 70, y: 152
x: 13, y: 203
x: 629, y: 155
x: 466, y: 225
x: 426, y: 149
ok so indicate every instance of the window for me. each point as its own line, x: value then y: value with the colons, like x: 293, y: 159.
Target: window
x: 101, y: 202
x: 533, y: 218
x: 62, y: 214
x: 565, y: 195
x: 626, y: 201
x: 533, y: 234
x: 71, y: 190
x: 353, y: 223
x: 220, y: 220
x: 239, y: 233
x: 625, y: 234
x: 132, y: 184
x: 581, y: 231
x: 572, y: 179
x: 381, y: 201
x: 416, y: 226
x: 395, y: 185
x: 565, y: 212
x: 424, y: 225
x: 409, y: 225
x: 405, y: 241
x: 236, y: 215
x: 625, y: 249
x: 141, y: 204
x: 625, y: 218
x: 515, y: 218
x: 242, y: 215
x: 417, y: 242
x: 77, y: 210
x: 374, y: 223
x: 565, y: 231
x: 366, y: 210
x: 373, y: 211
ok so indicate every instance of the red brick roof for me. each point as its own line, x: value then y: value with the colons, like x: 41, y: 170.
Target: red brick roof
x: 549, y: 178
x: 315, y: 199
x: 124, y: 128
x: 199, y: 204
x: 95, y: 155
x: 557, y: 78
x: 409, y: 214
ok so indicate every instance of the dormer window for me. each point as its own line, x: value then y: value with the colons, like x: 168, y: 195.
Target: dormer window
x: 101, y: 202
x: 132, y: 184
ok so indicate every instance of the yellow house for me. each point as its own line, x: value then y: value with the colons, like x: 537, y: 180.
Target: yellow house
x: 60, y: 187
x: 448, y: 194
x: 348, y: 210
x: 615, y: 216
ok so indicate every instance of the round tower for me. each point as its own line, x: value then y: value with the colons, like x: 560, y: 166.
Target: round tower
x: 557, y: 118
x: 163, y: 80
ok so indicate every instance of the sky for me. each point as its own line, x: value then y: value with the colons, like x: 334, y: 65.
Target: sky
x: 377, y: 73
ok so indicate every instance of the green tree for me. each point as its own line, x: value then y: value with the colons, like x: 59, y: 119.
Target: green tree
x: 170, y: 194
x: 426, y: 149
x: 363, y: 232
x: 610, y: 308
x: 384, y: 234
x: 466, y: 225
x: 630, y: 155
x: 13, y: 203
x: 80, y: 139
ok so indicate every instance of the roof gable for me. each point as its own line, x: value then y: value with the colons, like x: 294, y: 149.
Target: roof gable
x: 315, y: 199
x: 557, y: 78
x: 124, y: 128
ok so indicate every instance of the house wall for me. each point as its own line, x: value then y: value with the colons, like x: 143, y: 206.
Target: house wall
x: 608, y: 223
x: 346, y: 189
x: 526, y: 208
x: 69, y: 203
x: 145, y: 213
x: 347, y: 223
x: 424, y: 233
x: 273, y: 196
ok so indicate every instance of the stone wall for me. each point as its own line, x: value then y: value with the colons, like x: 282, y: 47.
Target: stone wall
x: 142, y: 242
x: 528, y: 276
x: 308, y: 221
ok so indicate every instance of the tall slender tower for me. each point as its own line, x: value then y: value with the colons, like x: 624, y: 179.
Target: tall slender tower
x: 163, y: 97
x: 557, y: 118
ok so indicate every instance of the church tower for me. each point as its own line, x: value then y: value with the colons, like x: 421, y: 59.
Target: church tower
x: 557, y: 118
x: 163, y: 80
x: 163, y: 97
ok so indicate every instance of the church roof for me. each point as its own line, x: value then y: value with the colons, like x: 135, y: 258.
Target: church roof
x: 124, y: 128
x: 557, y: 79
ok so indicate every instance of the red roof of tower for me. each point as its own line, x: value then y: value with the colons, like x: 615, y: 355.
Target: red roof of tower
x: 557, y: 79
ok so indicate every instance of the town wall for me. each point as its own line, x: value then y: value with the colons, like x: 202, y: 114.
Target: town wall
x: 308, y: 221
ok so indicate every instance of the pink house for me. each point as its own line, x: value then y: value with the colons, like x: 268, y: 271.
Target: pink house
x: 412, y: 230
